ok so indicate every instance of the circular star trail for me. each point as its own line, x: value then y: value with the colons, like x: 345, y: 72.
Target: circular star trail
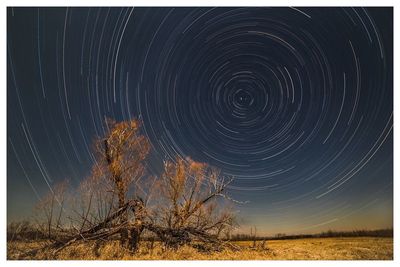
x: 295, y: 103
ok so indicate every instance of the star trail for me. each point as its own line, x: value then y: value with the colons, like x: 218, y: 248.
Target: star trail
x: 295, y: 103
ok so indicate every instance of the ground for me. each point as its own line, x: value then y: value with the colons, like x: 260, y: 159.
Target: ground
x: 349, y: 248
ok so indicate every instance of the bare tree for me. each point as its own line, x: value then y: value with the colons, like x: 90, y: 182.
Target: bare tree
x: 112, y: 199
x: 120, y: 156
x: 192, y: 203
x: 50, y: 209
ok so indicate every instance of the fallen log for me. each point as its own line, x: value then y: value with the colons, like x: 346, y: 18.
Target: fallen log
x: 92, y: 233
x: 177, y: 237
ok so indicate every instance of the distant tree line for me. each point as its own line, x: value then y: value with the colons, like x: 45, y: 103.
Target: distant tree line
x: 329, y: 233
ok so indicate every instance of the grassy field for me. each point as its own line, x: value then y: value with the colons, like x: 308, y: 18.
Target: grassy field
x: 348, y: 248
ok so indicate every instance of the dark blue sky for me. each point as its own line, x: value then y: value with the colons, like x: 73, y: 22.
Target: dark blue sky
x: 296, y: 103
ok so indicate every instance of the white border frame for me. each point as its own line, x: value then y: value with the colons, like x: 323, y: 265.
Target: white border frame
x: 3, y: 116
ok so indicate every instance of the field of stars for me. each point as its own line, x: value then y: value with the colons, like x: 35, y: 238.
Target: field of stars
x: 296, y: 103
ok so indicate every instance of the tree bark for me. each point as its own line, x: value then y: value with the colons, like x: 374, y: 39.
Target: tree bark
x: 137, y: 229
x: 121, y: 194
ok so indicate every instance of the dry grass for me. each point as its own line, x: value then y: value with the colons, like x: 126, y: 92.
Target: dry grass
x: 349, y: 248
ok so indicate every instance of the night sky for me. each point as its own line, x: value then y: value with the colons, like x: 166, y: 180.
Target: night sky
x: 295, y: 103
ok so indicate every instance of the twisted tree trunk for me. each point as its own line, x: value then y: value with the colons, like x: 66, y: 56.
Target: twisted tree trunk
x: 138, y: 227
x: 119, y: 185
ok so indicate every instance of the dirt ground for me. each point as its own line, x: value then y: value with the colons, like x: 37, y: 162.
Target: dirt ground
x: 349, y: 248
